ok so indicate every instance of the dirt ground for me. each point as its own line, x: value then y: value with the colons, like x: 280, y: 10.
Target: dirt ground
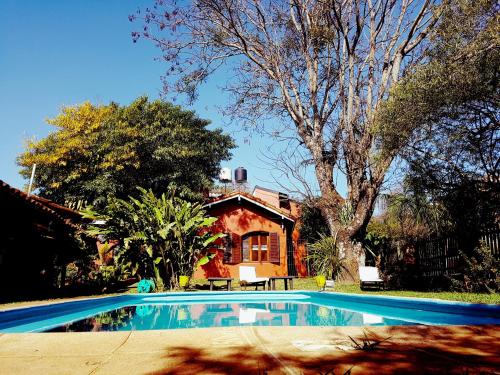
x: 257, y: 350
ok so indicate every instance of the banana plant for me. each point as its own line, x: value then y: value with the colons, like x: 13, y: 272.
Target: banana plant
x: 191, y: 236
x: 161, y: 237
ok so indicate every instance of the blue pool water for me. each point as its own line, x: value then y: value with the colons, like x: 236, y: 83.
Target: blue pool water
x: 202, y: 310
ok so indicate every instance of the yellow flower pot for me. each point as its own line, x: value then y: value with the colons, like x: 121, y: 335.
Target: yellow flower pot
x: 183, y: 281
x: 320, y: 281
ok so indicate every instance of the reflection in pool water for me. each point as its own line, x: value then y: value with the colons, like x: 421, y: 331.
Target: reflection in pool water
x: 163, y: 316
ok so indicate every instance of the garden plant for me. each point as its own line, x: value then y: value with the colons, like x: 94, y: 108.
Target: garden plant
x: 162, y: 237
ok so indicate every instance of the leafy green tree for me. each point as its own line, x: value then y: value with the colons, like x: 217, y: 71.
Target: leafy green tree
x: 162, y: 237
x: 452, y: 105
x: 99, y: 151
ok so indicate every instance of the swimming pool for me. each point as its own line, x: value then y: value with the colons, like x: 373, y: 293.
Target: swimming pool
x: 225, y: 309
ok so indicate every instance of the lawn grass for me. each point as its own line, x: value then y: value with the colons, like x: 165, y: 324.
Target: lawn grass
x: 308, y: 283
x: 452, y: 296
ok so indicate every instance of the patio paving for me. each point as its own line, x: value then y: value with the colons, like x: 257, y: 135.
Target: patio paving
x: 256, y: 350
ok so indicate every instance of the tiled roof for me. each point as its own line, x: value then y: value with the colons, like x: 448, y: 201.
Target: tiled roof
x: 63, y: 210
x: 253, y: 199
x: 59, y: 212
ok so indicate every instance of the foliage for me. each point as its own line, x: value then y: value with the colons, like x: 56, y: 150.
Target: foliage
x: 163, y: 237
x: 325, y: 258
x: 480, y: 272
x: 87, y: 274
x: 455, y: 89
x: 82, y: 275
x: 452, y: 103
x: 468, y: 207
x: 392, y: 237
x: 188, y: 221
x: 312, y: 223
x: 451, y: 184
x: 412, y: 216
x: 205, y: 259
x: 100, y: 151
x: 375, y: 242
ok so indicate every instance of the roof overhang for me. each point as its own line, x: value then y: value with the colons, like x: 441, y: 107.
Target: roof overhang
x: 241, y: 197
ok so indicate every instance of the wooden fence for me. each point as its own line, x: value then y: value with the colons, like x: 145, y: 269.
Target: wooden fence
x: 438, y: 257
x: 492, y: 239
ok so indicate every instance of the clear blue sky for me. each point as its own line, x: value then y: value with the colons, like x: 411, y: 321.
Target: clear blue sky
x: 62, y: 52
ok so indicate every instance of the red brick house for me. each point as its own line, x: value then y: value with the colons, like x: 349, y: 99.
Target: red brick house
x: 261, y: 231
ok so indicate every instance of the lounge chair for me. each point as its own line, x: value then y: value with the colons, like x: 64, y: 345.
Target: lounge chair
x: 369, y: 276
x: 248, y: 278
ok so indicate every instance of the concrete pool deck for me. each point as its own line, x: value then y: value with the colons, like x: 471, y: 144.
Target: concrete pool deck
x: 255, y: 350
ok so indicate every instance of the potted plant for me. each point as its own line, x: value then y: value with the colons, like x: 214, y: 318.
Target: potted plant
x: 183, y: 281
x: 320, y: 281
x: 186, y: 269
x: 325, y: 259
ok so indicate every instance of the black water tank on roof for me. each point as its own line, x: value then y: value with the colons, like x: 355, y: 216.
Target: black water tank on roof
x: 240, y: 175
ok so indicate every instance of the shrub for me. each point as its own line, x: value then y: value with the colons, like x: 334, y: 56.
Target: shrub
x: 325, y: 258
x: 479, y: 272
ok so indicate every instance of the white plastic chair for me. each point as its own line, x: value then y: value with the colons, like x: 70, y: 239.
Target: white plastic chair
x: 369, y: 276
x: 249, y: 278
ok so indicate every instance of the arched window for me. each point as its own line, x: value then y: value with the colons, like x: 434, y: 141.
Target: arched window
x: 255, y: 247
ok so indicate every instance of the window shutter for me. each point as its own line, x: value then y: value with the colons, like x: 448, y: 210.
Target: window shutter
x: 232, y: 248
x: 236, y: 248
x: 274, y: 248
x: 226, y: 242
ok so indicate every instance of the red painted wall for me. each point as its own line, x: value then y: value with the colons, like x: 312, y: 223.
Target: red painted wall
x: 300, y: 247
x: 243, y: 218
x: 272, y: 197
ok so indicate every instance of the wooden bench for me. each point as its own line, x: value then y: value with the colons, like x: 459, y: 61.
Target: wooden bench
x: 272, y: 281
x: 228, y: 280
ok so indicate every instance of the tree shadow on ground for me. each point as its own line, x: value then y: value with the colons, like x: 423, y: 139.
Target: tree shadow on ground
x: 428, y: 350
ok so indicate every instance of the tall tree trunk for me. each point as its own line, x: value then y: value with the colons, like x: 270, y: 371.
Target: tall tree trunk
x: 329, y: 66
x: 330, y: 201
x: 349, y: 234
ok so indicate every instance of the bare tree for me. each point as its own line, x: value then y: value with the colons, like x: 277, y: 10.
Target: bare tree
x: 322, y: 66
